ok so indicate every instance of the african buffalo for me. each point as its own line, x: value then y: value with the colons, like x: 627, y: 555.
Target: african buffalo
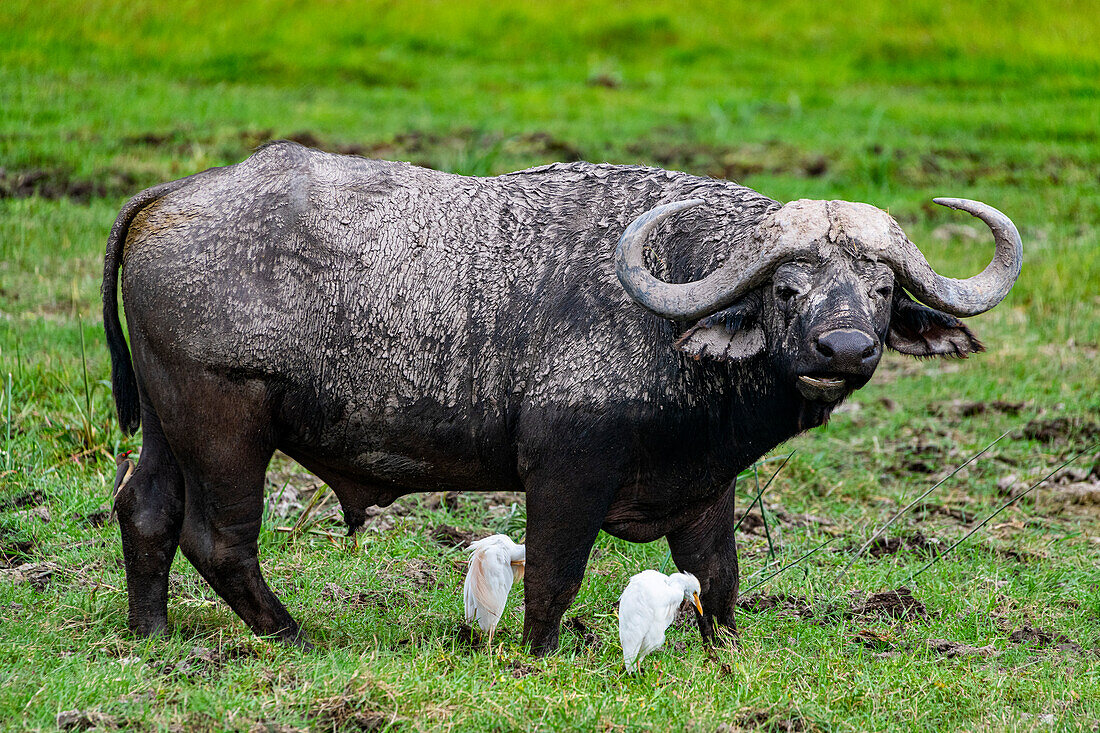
x: 397, y: 330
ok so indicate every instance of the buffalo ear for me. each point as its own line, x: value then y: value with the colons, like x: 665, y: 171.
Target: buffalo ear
x: 734, y: 334
x: 918, y: 330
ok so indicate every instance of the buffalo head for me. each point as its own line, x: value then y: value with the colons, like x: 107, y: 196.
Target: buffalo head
x: 821, y: 287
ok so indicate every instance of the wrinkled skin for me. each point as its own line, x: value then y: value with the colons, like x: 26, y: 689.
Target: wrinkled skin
x: 398, y: 330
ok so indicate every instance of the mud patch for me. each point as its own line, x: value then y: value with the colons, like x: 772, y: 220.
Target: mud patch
x: 951, y: 649
x: 875, y: 641
x: 789, y: 605
x: 201, y: 662
x: 766, y: 720
x: 37, y: 574
x: 98, y: 518
x: 465, y: 636
x: 86, y: 720
x: 519, y: 669
x: 732, y: 162
x: 57, y: 183
x: 1044, y: 639
x: 416, y: 572
x: 345, y: 713
x: 970, y: 409
x: 585, y: 636
x: 382, y: 600
x: 916, y: 543
x: 898, y: 603
x: 14, y: 553
x: 1061, y: 430
x: 23, y: 501
x: 431, y: 150
x: 453, y: 537
x: 958, y: 514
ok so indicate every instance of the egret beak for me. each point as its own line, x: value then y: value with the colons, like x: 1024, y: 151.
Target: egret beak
x: 698, y: 604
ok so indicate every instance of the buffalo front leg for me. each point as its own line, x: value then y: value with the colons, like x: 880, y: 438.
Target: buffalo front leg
x: 564, y: 514
x: 706, y: 548
x: 150, y: 514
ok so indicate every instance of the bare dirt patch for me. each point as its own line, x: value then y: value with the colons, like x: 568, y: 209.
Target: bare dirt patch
x: 23, y: 501
x: 898, y: 603
x: 345, y: 713
x: 767, y: 720
x: 585, y: 636
x: 1044, y: 639
x: 1060, y: 430
x: 57, y: 183
x: 86, y: 720
x: 951, y: 649
x: 37, y: 574
x: 916, y: 543
x: 453, y: 537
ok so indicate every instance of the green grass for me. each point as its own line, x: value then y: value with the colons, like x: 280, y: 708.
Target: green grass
x: 891, y: 104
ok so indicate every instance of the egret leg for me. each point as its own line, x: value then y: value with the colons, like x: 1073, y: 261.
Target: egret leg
x: 706, y: 548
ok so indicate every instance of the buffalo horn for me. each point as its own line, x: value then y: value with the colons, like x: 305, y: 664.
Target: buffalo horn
x: 976, y: 294
x: 684, y: 301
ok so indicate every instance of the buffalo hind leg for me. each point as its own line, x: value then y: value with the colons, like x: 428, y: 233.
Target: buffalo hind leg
x: 223, y: 471
x: 150, y: 515
x: 564, y: 515
x: 706, y: 547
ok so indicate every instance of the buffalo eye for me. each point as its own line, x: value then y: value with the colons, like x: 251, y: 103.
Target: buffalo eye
x: 784, y: 293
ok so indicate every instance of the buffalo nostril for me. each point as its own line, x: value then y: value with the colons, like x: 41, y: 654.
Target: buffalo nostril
x: 846, y: 349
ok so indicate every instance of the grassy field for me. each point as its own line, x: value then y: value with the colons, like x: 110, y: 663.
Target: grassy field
x: 888, y: 103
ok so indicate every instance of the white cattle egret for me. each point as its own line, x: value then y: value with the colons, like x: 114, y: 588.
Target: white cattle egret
x: 647, y: 607
x: 495, y: 564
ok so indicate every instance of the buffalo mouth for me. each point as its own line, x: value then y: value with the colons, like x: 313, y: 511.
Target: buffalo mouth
x: 822, y: 388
